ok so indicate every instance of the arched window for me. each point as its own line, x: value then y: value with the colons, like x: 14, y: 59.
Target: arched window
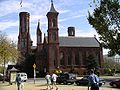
x: 23, y: 43
x: 24, y: 23
x: 62, y: 58
x: 53, y: 23
x: 69, y: 58
x: 77, y: 61
x: 54, y: 36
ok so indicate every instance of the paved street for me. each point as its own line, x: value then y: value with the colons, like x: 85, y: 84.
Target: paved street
x: 40, y: 84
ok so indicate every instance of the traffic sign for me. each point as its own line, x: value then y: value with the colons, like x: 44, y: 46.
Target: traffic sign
x: 34, y: 66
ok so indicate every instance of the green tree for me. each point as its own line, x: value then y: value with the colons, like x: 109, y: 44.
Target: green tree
x: 92, y: 62
x: 8, y: 50
x: 110, y: 64
x: 106, y: 21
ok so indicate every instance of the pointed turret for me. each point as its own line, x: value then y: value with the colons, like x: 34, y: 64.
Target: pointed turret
x: 45, y: 39
x: 39, y: 34
x: 52, y: 9
x: 38, y: 28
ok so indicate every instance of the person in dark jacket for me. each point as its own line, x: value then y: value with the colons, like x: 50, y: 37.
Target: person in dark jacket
x: 93, y: 80
x: 18, y: 80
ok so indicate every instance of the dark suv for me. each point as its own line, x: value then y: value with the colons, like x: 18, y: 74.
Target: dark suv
x: 66, y: 78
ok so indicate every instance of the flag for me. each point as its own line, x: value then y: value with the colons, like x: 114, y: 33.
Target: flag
x: 21, y: 3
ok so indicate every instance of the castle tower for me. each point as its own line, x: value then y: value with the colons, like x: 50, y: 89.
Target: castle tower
x: 53, y: 39
x: 24, y: 40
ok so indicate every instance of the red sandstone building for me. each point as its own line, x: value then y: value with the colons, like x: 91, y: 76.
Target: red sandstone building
x: 65, y: 52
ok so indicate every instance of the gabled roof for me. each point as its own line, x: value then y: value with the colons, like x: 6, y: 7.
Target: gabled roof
x: 78, y: 42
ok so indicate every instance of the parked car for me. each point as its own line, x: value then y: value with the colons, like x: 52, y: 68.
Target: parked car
x: 66, y: 78
x: 115, y: 83
x: 84, y: 81
x: 1, y: 77
x: 23, y: 76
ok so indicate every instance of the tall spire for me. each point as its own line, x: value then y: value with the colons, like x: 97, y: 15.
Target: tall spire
x: 52, y: 9
x: 39, y: 33
x: 45, y: 41
x: 38, y: 27
x: 51, y: 1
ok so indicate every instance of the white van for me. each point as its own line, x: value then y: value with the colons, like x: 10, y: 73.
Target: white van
x: 23, y: 76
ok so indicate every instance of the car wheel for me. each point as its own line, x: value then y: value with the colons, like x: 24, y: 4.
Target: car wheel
x: 65, y: 82
x: 114, y: 85
x: 58, y: 82
x: 72, y: 83
x: 77, y: 84
x: 100, y: 84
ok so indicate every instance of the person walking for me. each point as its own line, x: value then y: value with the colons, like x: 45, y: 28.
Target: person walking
x: 54, y: 78
x: 93, y: 81
x: 18, y: 80
x: 48, y: 79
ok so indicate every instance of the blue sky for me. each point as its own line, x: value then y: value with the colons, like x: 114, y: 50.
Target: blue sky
x: 71, y: 13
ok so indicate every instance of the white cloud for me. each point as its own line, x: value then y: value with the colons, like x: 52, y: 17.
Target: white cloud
x: 8, y: 7
x: 84, y: 33
x: 38, y: 10
x: 13, y: 37
x: 63, y: 11
x: 34, y: 18
x: 6, y: 24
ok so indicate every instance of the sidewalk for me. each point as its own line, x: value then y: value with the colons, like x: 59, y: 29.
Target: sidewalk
x: 42, y: 86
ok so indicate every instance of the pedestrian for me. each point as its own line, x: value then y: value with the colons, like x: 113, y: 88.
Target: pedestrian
x: 93, y: 80
x: 18, y: 80
x: 54, y: 78
x: 58, y: 71
x: 22, y: 84
x: 48, y: 79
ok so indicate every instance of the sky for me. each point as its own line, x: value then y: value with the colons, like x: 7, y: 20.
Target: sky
x: 71, y: 13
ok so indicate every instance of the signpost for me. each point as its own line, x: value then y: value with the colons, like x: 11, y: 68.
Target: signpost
x: 34, y: 66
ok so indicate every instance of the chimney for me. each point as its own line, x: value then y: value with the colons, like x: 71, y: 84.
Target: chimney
x: 71, y: 31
